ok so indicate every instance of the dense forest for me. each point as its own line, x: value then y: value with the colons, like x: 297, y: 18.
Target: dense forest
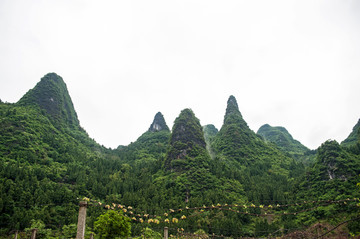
x: 192, y: 178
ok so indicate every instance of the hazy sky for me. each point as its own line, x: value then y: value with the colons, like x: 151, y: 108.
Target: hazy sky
x: 288, y: 63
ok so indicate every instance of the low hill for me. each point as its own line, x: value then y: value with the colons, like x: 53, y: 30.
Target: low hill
x: 283, y: 139
x: 286, y: 143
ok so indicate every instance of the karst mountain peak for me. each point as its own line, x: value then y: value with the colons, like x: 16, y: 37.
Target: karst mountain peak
x: 232, y: 106
x: 51, y: 94
x: 187, y: 137
x: 158, y: 123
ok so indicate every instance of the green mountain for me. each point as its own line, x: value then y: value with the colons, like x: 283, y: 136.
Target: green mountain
x: 189, y: 166
x: 240, y: 146
x: 48, y: 162
x: 334, y: 176
x: 52, y: 96
x: 158, y: 124
x: 43, y: 169
x: 335, y: 163
x: 286, y: 143
x: 150, y: 146
x: 187, y: 143
x: 283, y: 139
x: 259, y: 164
x: 209, y: 132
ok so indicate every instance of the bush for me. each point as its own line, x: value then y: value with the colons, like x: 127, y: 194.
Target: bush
x: 112, y: 224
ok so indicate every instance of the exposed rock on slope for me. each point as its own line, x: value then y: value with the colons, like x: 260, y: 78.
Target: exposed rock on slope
x: 158, y: 124
x: 152, y: 144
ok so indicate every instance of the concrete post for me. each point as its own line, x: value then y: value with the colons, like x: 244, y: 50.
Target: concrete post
x: 81, y: 220
x: 33, y: 233
x: 16, y: 234
x: 166, y: 232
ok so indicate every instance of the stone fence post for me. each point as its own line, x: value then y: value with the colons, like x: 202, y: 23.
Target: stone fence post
x: 81, y: 220
x: 33, y: 233
x: 166, y: 232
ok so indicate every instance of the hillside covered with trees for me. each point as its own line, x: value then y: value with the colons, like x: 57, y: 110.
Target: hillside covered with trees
x: 232, y: 181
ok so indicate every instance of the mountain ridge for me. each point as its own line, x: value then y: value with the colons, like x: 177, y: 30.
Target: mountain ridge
x: 46, y: 159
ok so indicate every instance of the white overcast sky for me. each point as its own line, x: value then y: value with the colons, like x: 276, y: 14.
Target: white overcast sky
x: 294, y: 64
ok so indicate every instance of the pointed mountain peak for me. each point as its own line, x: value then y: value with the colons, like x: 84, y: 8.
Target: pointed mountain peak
x: 232, y: 107
x: 158, y: 124
x: 233, y: 114
x: 187, y: 142
x: 187, y: 129
x: 51, y: 95
x: 237, y: 142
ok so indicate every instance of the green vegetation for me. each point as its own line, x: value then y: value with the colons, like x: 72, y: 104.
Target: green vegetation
x: 334, y: 174
x: 112, y: 225
x: 333, y: 177
x: 187, y: 144
x: 210, y: 132
x: 266, y: 173
x: 149, y: 233
x: 48, y: 162
x: 285, y: 142
x: 354, y: 136
x: 189, y: 165
x: 51, y: 95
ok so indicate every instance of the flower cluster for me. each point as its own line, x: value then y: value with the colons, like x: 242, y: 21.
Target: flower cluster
x: 265, y: 210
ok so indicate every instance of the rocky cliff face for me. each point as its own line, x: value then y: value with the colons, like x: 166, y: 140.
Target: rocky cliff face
x: 150, y: 146
x: 158, y: 124
x: 335, y: 163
